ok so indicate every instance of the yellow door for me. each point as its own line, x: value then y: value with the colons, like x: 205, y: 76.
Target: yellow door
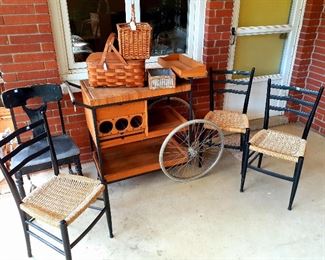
x: 264, y: 36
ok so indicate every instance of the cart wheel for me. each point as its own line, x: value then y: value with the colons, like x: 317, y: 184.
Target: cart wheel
x: 191, y: 150
x: 182, y: 106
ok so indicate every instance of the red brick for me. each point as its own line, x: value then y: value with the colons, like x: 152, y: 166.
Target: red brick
x: 24, y: 39
x: 42, y: 9
x: 5, y: 59
x: 23, y: 66
x: 26, y: 19
x: 19, y: 48
x: 4, y: 40
x: 13, y: 2
x: 36, y: 75
x: 47, y: 47
x: 44, y: 28
x: 16, y: 9
x: 21, y: 29
x: 215, y: 5
x: 34, y: 56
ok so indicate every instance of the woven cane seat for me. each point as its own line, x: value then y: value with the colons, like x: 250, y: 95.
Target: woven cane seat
x: 229, y: 121
x: 63, y: 197
x: 278, y: 144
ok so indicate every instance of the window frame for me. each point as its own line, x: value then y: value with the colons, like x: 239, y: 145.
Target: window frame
x: 71, y: 70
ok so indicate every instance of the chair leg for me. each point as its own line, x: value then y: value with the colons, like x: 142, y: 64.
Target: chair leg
x: 78, y: 166
x: 20, y: 184
x: 65, y: 240
x: 260, y: 158
x: 242, y: 141
x: 70, y: 169
x: 244, y: 160
x: 27, y: 236
x: 296, y: 178
x: 108, y: 212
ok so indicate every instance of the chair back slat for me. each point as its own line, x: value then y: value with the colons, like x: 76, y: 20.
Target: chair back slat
x: 286, y: 109
x: 214, y: 82
x: 232, y: 81
x: 20, y: 131
x: 297, y: 89
x: 233, y: 72
x: 21, y: 147
x: 234, y: 91
x: 28, y: 159
x: 292, y: 99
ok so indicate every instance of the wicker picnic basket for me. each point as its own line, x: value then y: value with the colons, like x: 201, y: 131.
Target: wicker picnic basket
x: 109, y: 68
x: 134, y: 44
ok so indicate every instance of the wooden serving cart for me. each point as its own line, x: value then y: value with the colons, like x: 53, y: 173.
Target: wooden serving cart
x: 126, y: 139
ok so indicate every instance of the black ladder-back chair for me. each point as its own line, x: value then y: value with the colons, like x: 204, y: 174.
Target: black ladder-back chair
x: 233, y: 122
x: 58, y: 201
x: 279, y: 144
x: 67, y: 151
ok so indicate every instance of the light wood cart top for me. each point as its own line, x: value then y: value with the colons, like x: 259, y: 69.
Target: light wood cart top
x: 108, y: 96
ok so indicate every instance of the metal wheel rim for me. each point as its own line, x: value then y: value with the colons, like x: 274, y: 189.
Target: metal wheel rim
x: 171, y: 134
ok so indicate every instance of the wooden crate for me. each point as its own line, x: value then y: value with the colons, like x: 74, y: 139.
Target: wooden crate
x: 161, y: 78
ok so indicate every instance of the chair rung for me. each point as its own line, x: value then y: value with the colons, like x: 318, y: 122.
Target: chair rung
x: 270, y: 173
x: 44, y: 231
x: 46, y: 242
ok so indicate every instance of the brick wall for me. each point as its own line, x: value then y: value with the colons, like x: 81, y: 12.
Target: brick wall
x: 27, y: 56
x: 309, y: 68
x: 215, y: 50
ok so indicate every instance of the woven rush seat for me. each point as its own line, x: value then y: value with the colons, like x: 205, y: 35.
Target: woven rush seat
x: 63, y: 197
x: 229, y: 121
x: 278, y: 144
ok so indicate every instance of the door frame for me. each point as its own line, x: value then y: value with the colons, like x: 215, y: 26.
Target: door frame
x: 293, y: 29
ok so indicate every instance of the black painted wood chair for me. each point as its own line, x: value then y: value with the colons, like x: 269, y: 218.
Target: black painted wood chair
x: 231, y: 121
x: 279, y: 144
x: 66, y: 150
x: 58, y: 201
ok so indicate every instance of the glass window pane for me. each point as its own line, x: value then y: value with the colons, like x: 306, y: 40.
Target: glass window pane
x: 91, y: 21
x: 169, y: 21
x: 264, y: 52
x: 264, y: 12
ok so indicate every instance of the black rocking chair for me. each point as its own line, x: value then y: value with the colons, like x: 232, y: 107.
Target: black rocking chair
x: 58, y: 201
x: 66, y: 150
x: 278, y: 144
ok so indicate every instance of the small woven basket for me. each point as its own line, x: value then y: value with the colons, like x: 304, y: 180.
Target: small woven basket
x: 134, y: 44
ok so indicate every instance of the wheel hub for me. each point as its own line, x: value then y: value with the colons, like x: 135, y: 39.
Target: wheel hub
x: 192, y: 152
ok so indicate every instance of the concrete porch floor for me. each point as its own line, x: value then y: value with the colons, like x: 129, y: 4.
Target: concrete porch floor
x: 156, y: 218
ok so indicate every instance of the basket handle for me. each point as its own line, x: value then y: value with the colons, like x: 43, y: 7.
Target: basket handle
x: 108, y: 47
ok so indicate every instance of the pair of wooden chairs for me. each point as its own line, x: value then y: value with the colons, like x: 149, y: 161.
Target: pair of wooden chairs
x: 276, y: 144
x: 64, y: 197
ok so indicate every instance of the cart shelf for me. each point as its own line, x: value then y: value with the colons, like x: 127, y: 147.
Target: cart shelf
x: 124, y: 161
